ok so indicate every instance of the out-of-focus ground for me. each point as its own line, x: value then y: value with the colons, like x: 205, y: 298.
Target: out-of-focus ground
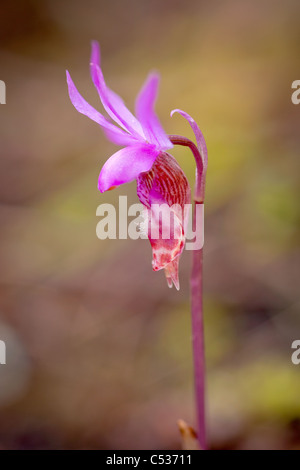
x: 99, y: 349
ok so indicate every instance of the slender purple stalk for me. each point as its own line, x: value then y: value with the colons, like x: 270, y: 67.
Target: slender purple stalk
x: 198, y: 342
x: 196, y: 296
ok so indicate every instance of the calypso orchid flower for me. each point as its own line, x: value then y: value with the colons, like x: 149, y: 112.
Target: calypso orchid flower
x: 160, y: 183
x: 160, y: 180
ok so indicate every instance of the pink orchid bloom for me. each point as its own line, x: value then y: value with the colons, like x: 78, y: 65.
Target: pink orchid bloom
x: 160, y: 180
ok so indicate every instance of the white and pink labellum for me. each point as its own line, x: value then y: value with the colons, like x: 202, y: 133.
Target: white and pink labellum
x: 165, y: 193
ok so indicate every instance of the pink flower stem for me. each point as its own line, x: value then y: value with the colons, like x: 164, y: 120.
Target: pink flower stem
x: 196, y: 297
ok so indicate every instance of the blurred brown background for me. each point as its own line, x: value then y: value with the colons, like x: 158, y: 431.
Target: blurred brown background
x: 98, y: 347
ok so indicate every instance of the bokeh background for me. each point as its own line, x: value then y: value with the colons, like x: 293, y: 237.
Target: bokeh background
x: 98, y: 347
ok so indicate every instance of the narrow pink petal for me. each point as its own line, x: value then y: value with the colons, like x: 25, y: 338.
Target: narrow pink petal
x: 126, y: 165
x: 116, y: 135
x: 153, y: 130
x: 198, y: 134
x: 112, y: 103
x: 95, y: 54
x: 119, y: 137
